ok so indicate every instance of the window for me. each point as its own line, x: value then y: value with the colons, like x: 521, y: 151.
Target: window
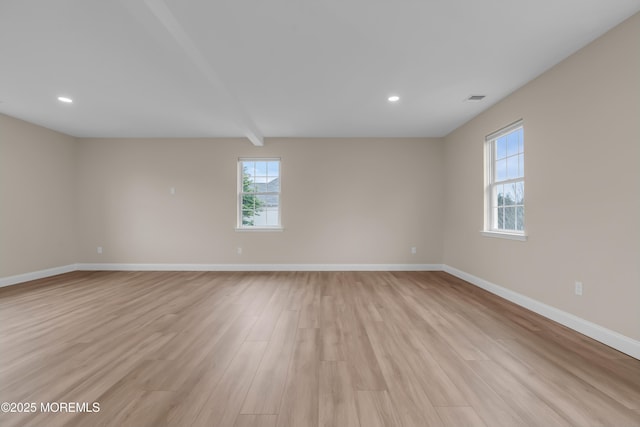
x: 504, y: 197
x: 259, y: 194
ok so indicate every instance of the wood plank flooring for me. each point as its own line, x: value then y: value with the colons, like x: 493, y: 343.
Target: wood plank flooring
x: 297, y: 349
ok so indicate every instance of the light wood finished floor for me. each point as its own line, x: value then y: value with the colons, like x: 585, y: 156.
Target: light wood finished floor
x: 300, y: 349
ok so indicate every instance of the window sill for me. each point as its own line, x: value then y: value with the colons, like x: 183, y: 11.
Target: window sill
x: 508, y: 236
x: 259, y: 229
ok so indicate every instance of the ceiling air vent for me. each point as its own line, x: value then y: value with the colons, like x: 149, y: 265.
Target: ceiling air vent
x: 476, y: 98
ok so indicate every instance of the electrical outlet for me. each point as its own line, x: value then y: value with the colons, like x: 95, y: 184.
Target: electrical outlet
x: 414, y: 250
x: 239, y: 251
x: 172, y: 191
x: 99, y: 250
x: 578, y: 288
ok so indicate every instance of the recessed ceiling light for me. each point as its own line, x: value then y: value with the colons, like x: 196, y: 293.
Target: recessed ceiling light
x: 65, y: 99
x: 394, y: 98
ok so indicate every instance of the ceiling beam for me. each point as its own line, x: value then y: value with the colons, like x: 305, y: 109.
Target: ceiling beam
x: 161, y: 11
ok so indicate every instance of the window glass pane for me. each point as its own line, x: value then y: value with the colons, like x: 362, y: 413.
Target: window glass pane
x: 248, y: 202
x: 509, y: 195
x: 520, y: 133
x: 512, y: 167
x: 272, y: 218
x: 521, y: 165
x: 501, y: 147
x: 272, y: 210
x: 261, y: 168
x: 255, y: 206
x: 249, y: 168
x: 510, y: 218
x: 248, y: 178
x: 512, y: 144
x: 267, y: 212
x: 273, y: 185
x: 269, y: 200
x: 499, y: 189
x: 247, y: 182
x: 248, y: 210
x: 261, y: 183
x: 501, y: 170
x: 500, y: 218
x: 247, y: 219
x: 520, y: 218
x: 519, y: 189
x: 273, y: 169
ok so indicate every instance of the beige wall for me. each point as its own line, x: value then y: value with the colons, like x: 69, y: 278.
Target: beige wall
x: 582, y: 172
x: 37, y: 187
x: 344, y: 201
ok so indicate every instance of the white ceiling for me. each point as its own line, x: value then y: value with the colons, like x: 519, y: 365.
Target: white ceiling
x: 280, y: 68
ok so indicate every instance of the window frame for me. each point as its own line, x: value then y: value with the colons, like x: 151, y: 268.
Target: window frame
x: 240, y: 193
x: 491, y: 183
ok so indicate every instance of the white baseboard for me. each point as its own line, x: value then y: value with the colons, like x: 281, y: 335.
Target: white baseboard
x: 260, y: 267
x: 41, y: 274
x: 599, y: 333
x: 26, y: 277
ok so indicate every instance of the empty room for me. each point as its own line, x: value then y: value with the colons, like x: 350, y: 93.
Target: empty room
x: 334, y: 213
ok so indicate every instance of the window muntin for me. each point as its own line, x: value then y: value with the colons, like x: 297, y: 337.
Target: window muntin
x: 259, y: 193
x: 504, y: 197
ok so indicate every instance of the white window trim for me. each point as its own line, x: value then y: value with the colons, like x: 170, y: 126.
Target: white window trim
x: 504, y: 235
x: 489, y: 162
x: 263, y: 229
x: 239, y: 227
